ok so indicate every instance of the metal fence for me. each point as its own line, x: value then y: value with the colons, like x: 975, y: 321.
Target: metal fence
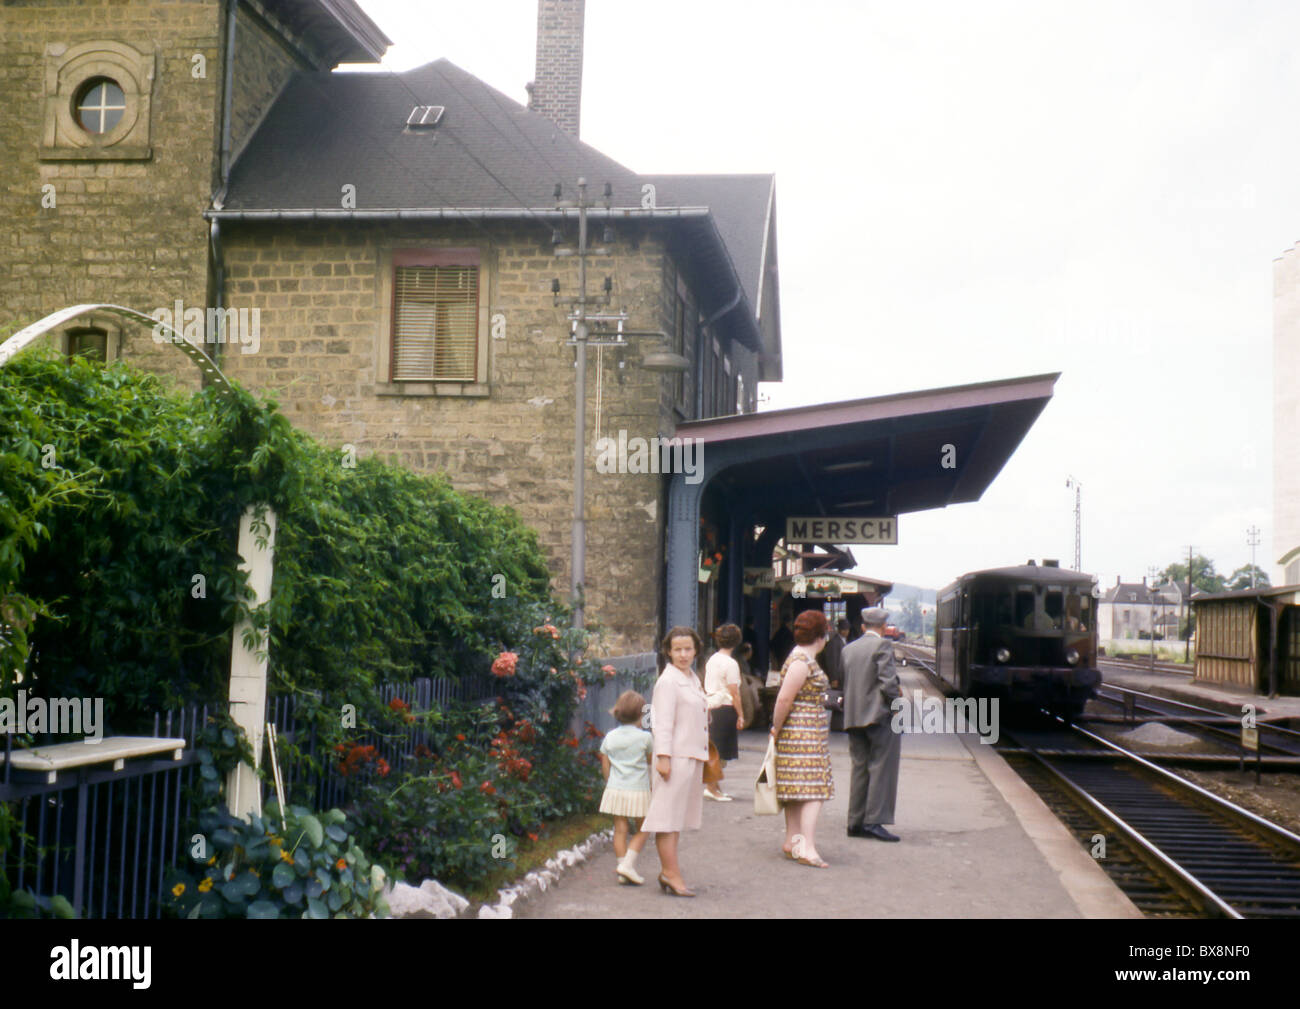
x: 635, y: 672
x: 105, y: 836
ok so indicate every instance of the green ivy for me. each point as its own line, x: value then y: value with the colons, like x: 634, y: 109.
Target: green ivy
x: 115, y: 494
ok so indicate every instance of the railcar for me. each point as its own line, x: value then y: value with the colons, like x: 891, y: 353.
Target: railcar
x: 1025, y: 634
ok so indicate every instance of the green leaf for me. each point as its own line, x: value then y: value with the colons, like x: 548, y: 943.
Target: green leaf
x: 334, y: 901
x: 315, y: 909
x: 222, y: 839
x: 262, y: 909
x: 336, y: 833
x: 293, y: 893
x: 283, y: 875
x: 315, y: 832
x: 62, y: 907
x: 323, y: 878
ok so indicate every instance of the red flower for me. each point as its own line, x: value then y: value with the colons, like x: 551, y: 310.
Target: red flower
x: 397, y: 704
x: 455, y: 778
x: 422, y: 752
x: 383, y: 768
x: 505, y: 664
x: 340, y: 865
x: 487, y: 788
x: 532, y: 837
x: 339, y: 747
x: 460, y: 737
x: 608, y: 670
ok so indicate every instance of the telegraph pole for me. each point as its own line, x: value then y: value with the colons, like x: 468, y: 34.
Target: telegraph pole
x: 1151, y: 611
x: 1187, y: 640
x: 1078, y: 520
x: 579, y: 318
x: 1252, y: 541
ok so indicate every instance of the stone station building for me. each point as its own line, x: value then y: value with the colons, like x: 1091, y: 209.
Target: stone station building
x: 395, y: 250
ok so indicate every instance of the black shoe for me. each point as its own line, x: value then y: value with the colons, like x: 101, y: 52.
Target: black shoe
x: 858, y: 832
x: 879, y: 833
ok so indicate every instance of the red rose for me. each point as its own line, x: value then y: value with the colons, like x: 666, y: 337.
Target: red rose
x: 505, y: 664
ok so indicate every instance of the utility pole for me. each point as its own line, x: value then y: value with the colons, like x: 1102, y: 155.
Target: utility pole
x: 1187, y: 640
x: 1151, y: 612
x: 579, y: 317
x: 1252, y: 541
x: 1078, y: 520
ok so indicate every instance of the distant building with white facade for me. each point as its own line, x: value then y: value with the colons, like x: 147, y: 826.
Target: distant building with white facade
x: 1129, y: 610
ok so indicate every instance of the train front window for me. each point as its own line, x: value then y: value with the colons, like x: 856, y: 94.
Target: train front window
x: 1078, y: 612
x: 1025, y: 607
x: 1054, y: 606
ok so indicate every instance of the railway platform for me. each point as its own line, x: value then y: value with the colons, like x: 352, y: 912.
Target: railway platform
x: 976, y: 843
x: 1181, y: 687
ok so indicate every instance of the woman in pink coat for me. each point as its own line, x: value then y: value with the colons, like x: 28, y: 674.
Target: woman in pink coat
x: 679, y: 715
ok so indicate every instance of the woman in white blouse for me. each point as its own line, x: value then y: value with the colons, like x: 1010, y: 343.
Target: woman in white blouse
x: 726, y: 712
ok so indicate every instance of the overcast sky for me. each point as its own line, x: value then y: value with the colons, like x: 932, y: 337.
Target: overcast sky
x: 973, y: 192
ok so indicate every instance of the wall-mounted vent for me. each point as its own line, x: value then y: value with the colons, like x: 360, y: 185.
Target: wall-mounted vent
x: 425, y: 116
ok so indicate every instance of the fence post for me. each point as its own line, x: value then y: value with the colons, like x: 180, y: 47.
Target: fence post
x: 247, y: 666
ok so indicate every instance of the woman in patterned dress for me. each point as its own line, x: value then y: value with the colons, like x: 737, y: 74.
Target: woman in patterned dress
x: 801, y: 726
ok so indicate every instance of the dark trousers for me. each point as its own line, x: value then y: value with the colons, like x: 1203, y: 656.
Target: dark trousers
x: 873, y: 789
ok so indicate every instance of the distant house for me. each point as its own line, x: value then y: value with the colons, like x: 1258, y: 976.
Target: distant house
x: 1130, y: 610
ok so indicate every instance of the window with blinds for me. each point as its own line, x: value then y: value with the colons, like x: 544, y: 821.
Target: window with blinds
x: 435, y: 323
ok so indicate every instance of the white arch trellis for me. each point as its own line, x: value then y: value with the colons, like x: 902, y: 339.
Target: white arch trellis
x: 247, y: 690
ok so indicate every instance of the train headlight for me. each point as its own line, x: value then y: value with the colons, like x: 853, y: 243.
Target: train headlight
x: 1072, y: 656
x: 1003, y: 655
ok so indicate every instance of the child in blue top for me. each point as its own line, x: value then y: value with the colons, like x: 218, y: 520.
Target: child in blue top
x: 625, y: 755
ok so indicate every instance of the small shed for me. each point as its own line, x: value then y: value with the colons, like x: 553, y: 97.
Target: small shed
x: 1249, y: 639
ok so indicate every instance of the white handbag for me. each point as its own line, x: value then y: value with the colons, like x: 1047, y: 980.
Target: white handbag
x: 765, y: 800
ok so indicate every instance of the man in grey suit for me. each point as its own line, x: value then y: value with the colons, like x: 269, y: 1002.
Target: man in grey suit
x: 870, y: 685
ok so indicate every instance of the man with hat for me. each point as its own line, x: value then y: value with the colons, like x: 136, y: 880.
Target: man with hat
x: 870, y: 687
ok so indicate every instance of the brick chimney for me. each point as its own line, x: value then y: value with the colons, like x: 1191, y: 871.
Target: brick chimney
x: 556, y: 91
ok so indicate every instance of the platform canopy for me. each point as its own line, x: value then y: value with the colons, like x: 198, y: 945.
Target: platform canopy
x: 882, y: 456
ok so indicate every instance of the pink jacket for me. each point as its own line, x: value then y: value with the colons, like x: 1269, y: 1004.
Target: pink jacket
x: 679, y: 716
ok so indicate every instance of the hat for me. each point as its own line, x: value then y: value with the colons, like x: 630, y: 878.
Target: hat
x: 875, y: 617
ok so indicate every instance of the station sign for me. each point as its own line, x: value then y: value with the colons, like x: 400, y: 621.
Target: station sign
x: 759, y: 578
x: 820, y: 529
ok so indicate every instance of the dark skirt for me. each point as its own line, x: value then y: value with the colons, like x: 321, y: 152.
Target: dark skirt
x: 722, y: 731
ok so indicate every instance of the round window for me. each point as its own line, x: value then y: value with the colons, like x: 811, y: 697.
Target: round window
x: 100, y: 104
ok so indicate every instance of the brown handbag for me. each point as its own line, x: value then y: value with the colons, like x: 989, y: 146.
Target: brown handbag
x: 713, y: 766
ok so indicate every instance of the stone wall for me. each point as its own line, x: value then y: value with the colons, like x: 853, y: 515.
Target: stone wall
x: 263, y: 63
x: 123, y: 231
x: 322, y: 298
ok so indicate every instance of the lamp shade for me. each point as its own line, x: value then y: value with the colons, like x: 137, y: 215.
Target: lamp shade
x: 663, y: 359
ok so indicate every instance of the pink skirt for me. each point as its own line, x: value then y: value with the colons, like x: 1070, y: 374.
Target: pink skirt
x: 678, y: 803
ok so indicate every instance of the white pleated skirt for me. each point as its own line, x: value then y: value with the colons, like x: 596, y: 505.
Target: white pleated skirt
x: 623, y: 802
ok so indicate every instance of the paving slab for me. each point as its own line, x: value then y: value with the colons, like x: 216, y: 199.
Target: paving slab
x: 976, y: 843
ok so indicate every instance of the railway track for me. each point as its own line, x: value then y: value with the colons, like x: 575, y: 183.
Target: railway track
x: 1279, y: 745
x: 1175, y: 849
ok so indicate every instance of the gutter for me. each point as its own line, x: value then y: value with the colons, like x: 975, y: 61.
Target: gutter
x: 452, y: 214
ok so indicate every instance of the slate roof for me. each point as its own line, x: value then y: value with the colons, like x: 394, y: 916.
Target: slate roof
x: 1122, y: 593
x: 489, y: 154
